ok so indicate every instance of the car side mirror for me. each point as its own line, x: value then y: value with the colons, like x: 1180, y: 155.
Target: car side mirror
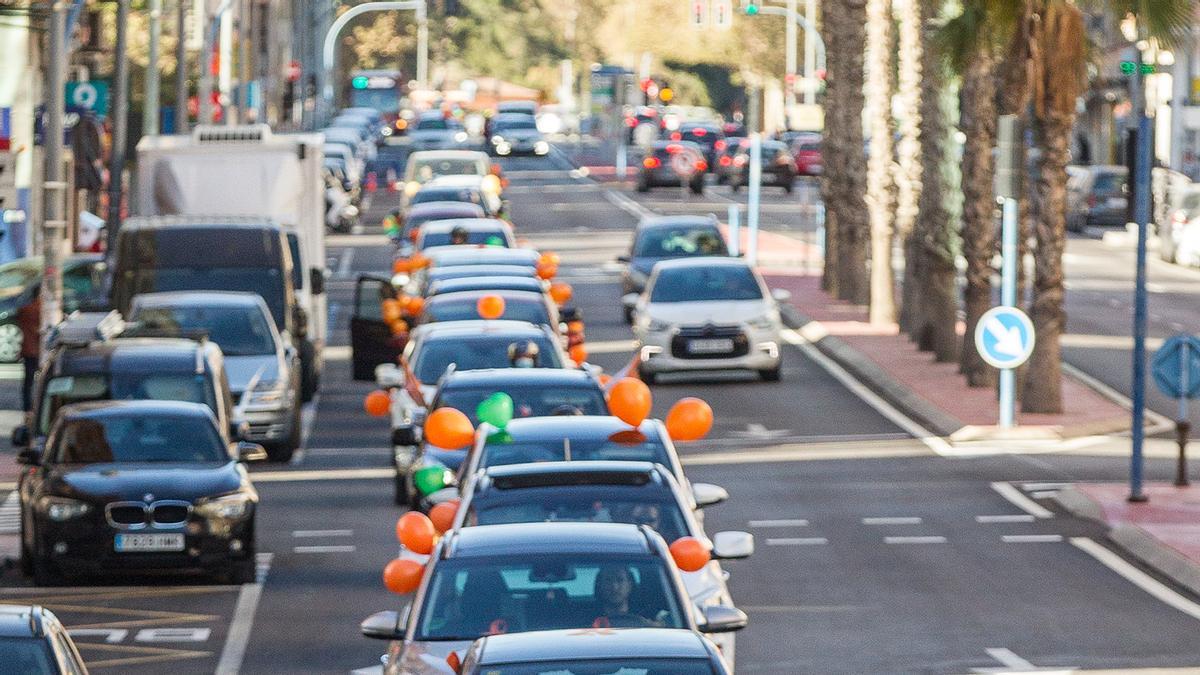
x: 624, y: 259
x: 29, y: 457
x: 317, y: 278
x: 383, y: 626
x: 389, y: 375
x: 781, y: 294
x: 629, y: 300
x: 251, y: 452
x: 722, y: 619
x: 732, y: 545
x: 20, y: 436
x: 408, y: 434
x: 707, y: 494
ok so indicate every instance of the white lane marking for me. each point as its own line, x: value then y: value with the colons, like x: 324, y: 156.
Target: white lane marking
x: 10, y: 514
x: 796, y: 541
x: 1018, y: 499
x: 369, y: 670
x: 1137, y: 577
x: 610, y: 346
x: 344, y: 264
x: 794, y: 522
x: 322, y: 533
x: 798, y: 453
x: 934, y: 443
x: 903, y: 520
x: 1031, y: 538
x: 627, y: 205
x: 1010, y: 518
x: 238, y: 639
x: 1043, y: 494
x: 914, y: 540
x: 1044, y: 486
x: 323, y: 549
x: 327, y: 474
x: 1008, y: 658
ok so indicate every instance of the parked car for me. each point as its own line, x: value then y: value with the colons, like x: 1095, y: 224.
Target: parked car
x: 700, y: 314
x: 20, y: 280
x: 262, y: 365
x: 36, y: 643
x: 1097, y: 196
x: 137, y: 485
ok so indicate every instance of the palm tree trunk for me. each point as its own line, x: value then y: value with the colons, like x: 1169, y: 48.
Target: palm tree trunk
x: 844, y: 98
x: 978, y: 232
x: 911, y: 63
x: 879, y: 166
x: 831, y: 148
x: 933, y: 237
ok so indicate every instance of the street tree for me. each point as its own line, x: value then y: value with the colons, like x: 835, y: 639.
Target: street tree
x: 880, y: 184
x: 910, y: 64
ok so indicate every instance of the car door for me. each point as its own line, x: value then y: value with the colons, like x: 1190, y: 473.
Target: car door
x: 371, y: 339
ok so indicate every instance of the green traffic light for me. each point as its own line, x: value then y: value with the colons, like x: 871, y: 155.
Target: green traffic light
x: 359, y: 82
x: 751, y: 9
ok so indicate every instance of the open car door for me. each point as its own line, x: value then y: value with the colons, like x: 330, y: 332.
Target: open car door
x: 371, y: 339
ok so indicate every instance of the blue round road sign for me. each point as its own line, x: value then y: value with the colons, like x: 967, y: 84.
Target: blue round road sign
x: 1004, y: 337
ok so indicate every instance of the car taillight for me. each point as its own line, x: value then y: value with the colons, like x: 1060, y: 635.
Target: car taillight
x: 672, y: 149
x: 676, y: 136
x: 740, y: 160
x: 699, y: 132
x: 719, y: 146
x: 725, y: 160
x: 651, y: 163
x: 701, y: 165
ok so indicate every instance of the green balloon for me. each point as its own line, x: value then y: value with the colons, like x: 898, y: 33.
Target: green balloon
x: 500, y: 438
x: 496, y: 410
x: 494, y: 241
x: 430, y: 479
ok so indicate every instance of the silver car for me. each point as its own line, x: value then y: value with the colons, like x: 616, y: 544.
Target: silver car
x: 263, y: 366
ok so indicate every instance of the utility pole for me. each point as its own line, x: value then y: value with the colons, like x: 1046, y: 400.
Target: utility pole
x: 150, y: 108
x: 1141, y: 216
x: 120, y: 118
x: 181, y: 91
x: 810, y: 53
x: 422, y: 45
x: 54, y: 187
x: 789, y: 77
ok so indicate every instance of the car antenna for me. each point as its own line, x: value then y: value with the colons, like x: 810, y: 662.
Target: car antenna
x: 566, y: 449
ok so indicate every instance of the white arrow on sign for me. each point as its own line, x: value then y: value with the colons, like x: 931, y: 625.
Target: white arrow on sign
x: 999, y: 342
x: 1008, y: 339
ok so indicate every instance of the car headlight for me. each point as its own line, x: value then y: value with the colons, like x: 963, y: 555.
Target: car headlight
x: 765, y: 322
x: 227, y: 507
x: 268, y: 393
x: 60, y: 509
x: 541, y: 147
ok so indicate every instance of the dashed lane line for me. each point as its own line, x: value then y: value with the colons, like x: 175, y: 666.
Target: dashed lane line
x: 324, y: 549
x: 797, y: 541
x: 903, y: 520
x: 1006, y: 518
x: 1031, y: 538
x: 302, y: 534
x: 792, y: 522
x: 915, y: 540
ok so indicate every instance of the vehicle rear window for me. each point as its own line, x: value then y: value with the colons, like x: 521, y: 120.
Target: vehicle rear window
x: 205, y: 247
x: 474, y: 237
x: 140, y: 438
x: 432, y: 124
x: 500, y: 450
x: 528, y: 401
x: 447, y: 195
x: 679, y: 242
x: 27, y: 655
x: 456, y: 309
x: 240, y: 331
x: 655, y: 508
x: 467, y: 353
x: 66, y: 389
x: 427, y: 169
x: 698, y: 284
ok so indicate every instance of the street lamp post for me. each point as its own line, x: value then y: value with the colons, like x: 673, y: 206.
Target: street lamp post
x: 181, y: 107
x: 120, y: 119
x: 54, y: 187
x: 1141, y: 216
x: 150, y: 107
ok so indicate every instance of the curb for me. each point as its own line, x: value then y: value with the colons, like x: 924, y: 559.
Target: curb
x: 1135, y: 541
x: 930, y: 416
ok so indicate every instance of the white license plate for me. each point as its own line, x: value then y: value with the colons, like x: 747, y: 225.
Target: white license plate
x: 127, y: 543
x: 714, y: 346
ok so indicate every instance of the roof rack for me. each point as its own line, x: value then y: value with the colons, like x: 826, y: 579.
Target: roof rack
x: 80, y: 329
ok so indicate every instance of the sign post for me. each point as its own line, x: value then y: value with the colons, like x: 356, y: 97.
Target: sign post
x: 1008, y: 171
x: 1176, y: 371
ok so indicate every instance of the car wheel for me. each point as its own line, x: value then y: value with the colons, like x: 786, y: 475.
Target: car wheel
x: 243, y: 572
x: 310, y: 379
x: 770, y: 374
x: 697, y: 186
x: 283, y: 451
x: 10, y: 342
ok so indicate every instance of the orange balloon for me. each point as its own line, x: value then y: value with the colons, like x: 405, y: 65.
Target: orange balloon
x: 490, y: 307
x: 418, y: 261
x: 413, y: 306
x: 415, y: 530
x: 391, y: 310
x: 549, y: 259
x: 449, y: 429
x: 377, y: 403
x: 443, y: 515
x: 690, y: 554
x: 689, y: 420
x: 575, y: 327
x: 403, y: 576
x: 578, y: 354
x: 605, y: 379
x: 629, y: 400
x: 545, y: 271
x: 401, y: 266
x: 399, y: 326
x: 561, y: 292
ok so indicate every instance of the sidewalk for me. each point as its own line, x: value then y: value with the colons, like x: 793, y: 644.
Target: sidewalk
x: 1163, y: 533
x: 932, y: 393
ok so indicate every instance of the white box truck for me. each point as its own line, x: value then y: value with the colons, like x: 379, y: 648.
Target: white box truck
x: 249, y: 171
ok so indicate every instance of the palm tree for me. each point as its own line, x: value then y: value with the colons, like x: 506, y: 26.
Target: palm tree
x: 911, y: 92
x: 879, y: 166
x: 844, y: 183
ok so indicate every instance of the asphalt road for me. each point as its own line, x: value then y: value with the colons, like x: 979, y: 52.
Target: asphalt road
x: 875, y: 554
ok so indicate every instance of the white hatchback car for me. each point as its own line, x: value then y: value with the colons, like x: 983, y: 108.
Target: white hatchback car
x: 703, y: 314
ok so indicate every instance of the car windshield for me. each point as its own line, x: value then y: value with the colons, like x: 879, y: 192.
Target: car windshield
x: 581, y: 504
x: 621, y: 666
x: 457, y: 309
x: 528, y: 400
x: 240, y: 331
x: 509, y: 125
x: 474, y: 238
x: 67, y: 389
x: 137, y: 438
x: 424, y: 170
x: 27, y: 655
x: 631, y: 445
x: 677, y: 242
x: 470, y: 598
x: 1109, y: 183
x: 698, y: 284
x: 473, y: 353
x: 432, y: 124
x: 267, y: 282
x: 445, y: 194
x: 16, y: 276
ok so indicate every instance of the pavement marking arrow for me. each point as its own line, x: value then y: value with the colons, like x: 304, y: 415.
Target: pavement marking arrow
x: 1008, y: 338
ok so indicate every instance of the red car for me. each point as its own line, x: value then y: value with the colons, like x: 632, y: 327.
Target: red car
x: 807, y: 153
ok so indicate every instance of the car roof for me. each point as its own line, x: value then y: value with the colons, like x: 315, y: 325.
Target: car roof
x: 474, y: 271
x: 474, y: 296
x: 200, y: 222
x: 564, y: 474
x: 423, y: 155
x: 676, y: 221
x: 144, y: 407
x: 132, y: 354
x: 559, y: 645
x: 454, y: 209
x: 198, y: 299
x: 702, y: 261
x: 22, y: 621
x: 659, y: 145
x: 479, y: 327
x: 526, y: 283
x: 555, y: 377
x: 457, y: 180
x: 472, y: 255
x: 468, y: 224
x: 532, y: 539
x: 577, y: 427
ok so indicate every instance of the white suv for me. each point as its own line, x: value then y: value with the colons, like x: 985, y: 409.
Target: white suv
x: 701, y: 314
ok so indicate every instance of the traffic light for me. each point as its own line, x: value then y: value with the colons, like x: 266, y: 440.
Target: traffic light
x: 752, y: 8
x: 360, y: 82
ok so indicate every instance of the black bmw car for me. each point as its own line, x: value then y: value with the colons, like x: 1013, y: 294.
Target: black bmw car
x: 137, y: 485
